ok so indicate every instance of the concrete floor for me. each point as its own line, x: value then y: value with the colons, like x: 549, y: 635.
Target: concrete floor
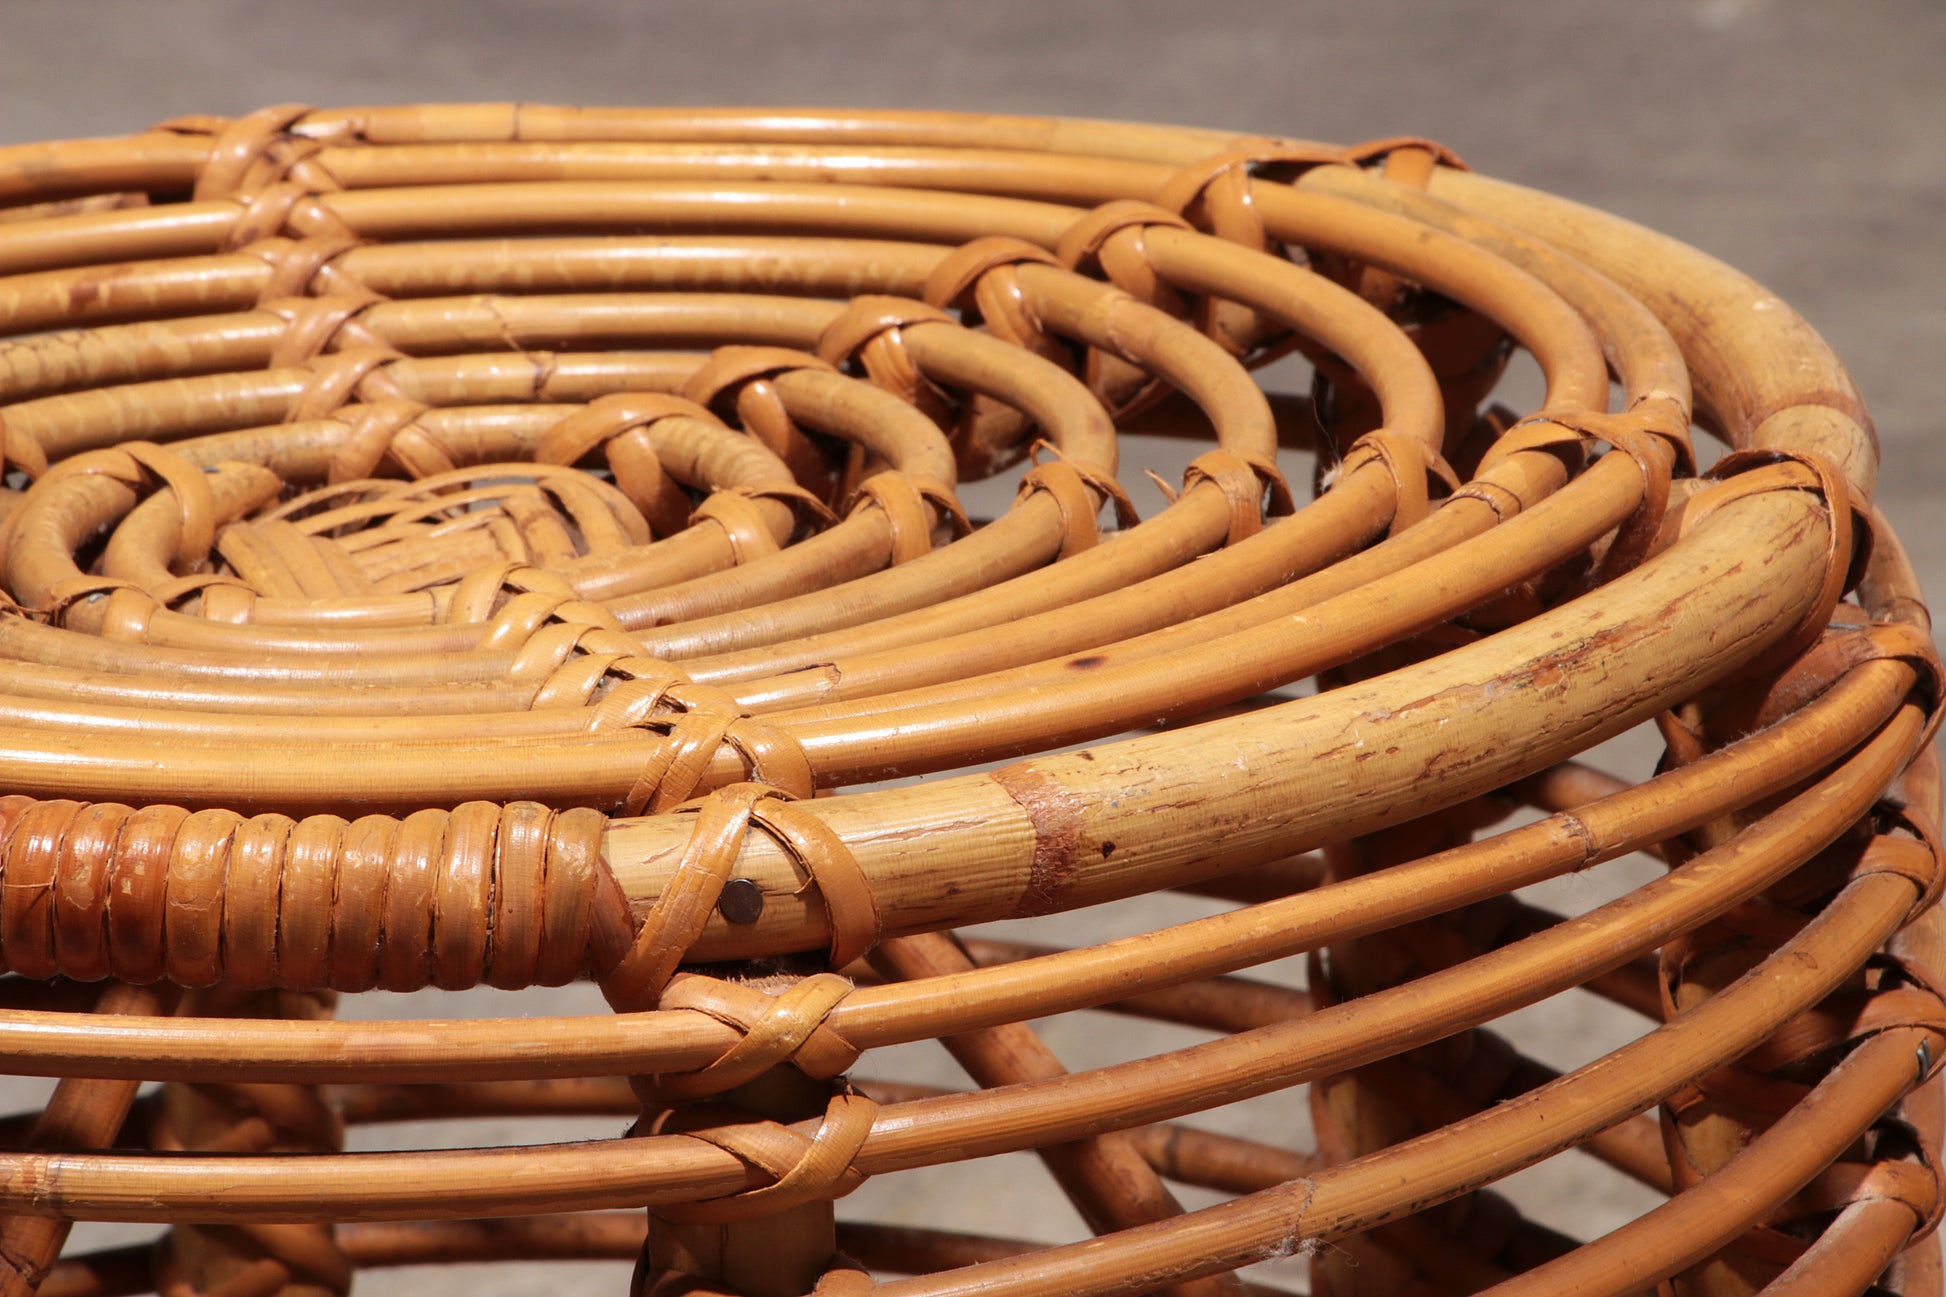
x: 1797, y: 139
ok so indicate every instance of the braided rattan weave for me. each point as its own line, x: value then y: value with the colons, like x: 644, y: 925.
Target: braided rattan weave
x: 459, y: 546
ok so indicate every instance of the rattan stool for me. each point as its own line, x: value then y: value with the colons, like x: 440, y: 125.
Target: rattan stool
x: 693, y: 552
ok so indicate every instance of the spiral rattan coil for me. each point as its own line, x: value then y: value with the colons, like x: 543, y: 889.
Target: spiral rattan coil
x: 455, y: 546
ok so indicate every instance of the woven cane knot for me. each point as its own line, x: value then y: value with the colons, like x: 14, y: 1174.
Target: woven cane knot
x: 751, y: 530
x: 543, y: 605
x: 904, y: 501
x: 1108, y: 240
x: 981, y: 280
x: 275, y: 177
x: 1244, y: 481
x: 730, y: 371
x: 606, y: 418
x: 621, y: 426
x: 301, y: 267
x: 252, y: 152
x: 1654, y: 434
x: 574, y: 683
x: 870, y: 333
x: 58, y: 598
x: 1917, y: 1185
x: 1843, y: 649
x: 1745, y: 473
x: 316, y: 325
x: 1078, y: 492
x: 1214, y: 193
x: 1897, y: 1161
x: 802, y: 1168
x: 128, y: 613
x: 744, y: 382
x: 335, y: 379
x: 383, y: 437
x: 285, y: 210
x: 631, y: 699
x: 786, y: 1024
x: 638, y: 977
x: 869, y: 319
x: 1415, y: 468
x: 1215, y: 190
x: 561, y: 650
x: 698, y: 722
x: 1914, y: 854
x: 571, y: 647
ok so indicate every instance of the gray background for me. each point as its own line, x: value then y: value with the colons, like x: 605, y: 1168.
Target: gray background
x: 1799, y: 140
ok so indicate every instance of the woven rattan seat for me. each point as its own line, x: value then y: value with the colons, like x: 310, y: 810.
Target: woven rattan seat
x: 706, y: 554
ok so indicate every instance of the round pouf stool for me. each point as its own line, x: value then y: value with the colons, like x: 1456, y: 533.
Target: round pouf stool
x: 708, y: 557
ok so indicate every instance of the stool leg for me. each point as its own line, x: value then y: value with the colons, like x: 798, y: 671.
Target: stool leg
x: 779, y: 1255
x: 1351, y: 1115
x: 287, y: 1260
x: 1107, y: 1179
x: 84, y: 1112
